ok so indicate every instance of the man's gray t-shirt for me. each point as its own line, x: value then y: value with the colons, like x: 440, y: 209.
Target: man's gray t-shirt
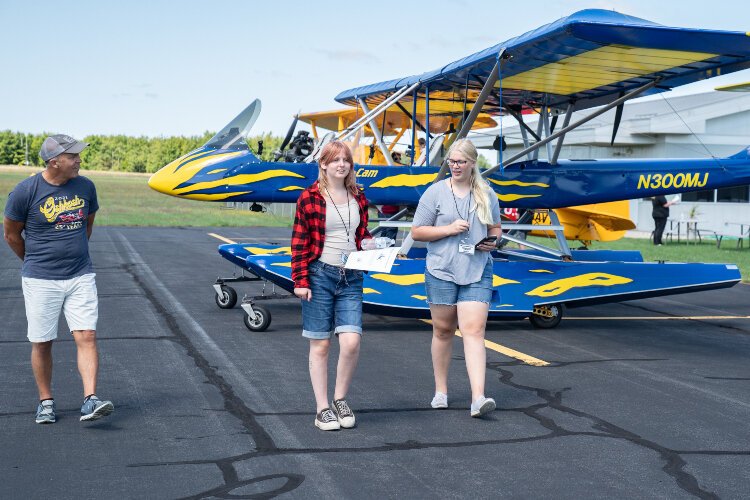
x: 438, y: 208
x: 56, y: 218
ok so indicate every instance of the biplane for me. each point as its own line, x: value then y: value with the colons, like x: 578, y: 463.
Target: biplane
x: 586, y: 223
x: 585, y: 64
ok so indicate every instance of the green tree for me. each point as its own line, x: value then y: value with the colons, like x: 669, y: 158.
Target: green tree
x: 120, y: 152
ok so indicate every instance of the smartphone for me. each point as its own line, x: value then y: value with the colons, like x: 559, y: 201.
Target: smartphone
x: 488, y: 239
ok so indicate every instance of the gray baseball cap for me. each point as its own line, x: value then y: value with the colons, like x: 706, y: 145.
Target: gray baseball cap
x: 58, y: 144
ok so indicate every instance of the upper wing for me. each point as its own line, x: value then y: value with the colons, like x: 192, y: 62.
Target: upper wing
x: 589, y: 58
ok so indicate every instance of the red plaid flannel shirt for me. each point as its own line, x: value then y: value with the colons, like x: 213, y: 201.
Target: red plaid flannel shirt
x: 309, y: 231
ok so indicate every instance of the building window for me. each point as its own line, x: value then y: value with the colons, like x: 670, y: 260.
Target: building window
x: 707, y: 195
x: 736, y: 194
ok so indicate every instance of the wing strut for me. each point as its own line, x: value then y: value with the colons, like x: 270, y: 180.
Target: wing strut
x: 376, y: 132
x: 476, y: 108
x: 575, y: 125
x: 410, y: 117
x: 392, y: 221
x: 522, y: 124
x: 558, y: 145
x: 543, y: 129
x: 483, y: 95
x: 344, y: 134
x: 467, y: 124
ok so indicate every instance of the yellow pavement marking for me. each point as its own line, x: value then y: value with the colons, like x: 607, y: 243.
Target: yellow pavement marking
x: 512, y: 353
x: 529, y: 360
x: 653, y: 317
x: 225, y: 240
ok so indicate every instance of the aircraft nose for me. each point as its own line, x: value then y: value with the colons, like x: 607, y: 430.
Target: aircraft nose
x: 202, y: 174
x: 162, y: 181
x: 175, y: 177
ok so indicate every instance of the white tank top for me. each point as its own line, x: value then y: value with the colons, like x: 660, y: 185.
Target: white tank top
x: 336, y: 241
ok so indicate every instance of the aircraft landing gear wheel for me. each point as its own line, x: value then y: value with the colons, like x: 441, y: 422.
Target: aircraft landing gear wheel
x: 261, y: 321
x: 227, y: 299
x: 548, y: 316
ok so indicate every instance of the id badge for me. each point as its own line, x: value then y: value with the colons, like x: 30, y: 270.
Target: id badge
x: 465, y: 247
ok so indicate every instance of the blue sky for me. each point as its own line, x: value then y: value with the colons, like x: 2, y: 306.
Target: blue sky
x: 160, y: 68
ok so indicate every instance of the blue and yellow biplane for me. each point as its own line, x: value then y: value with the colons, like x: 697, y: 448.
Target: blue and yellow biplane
x: 589, y: 62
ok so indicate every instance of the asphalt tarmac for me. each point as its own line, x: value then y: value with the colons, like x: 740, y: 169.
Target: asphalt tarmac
x: 643, y: 399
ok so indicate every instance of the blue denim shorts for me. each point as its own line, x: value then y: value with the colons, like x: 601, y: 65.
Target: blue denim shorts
x: 336, y: 304
x: 442, y: 292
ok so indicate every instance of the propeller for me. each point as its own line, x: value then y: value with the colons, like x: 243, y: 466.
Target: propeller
x: 618, y: 117
x: 289, y: 133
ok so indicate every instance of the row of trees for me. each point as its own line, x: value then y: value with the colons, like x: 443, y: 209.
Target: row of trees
x: 127, y: 154
x: 119, y: 152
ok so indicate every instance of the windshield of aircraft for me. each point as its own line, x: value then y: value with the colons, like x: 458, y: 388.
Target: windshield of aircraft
x: 233, y: 135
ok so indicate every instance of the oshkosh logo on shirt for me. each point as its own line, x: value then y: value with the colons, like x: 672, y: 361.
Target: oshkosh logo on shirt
x: 51, y: 210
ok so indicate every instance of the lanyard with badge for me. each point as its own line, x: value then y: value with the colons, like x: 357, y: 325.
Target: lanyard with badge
x: 346, y: 228
x: 464, y: 245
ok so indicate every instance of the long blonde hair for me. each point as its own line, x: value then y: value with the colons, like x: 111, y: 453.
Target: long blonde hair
x: 327, y: 155
x: 480, y: 189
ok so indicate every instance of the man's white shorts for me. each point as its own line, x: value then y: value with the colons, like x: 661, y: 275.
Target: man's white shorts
x: 45, y: 298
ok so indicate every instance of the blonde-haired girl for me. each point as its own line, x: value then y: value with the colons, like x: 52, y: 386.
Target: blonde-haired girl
x: 455, y: 217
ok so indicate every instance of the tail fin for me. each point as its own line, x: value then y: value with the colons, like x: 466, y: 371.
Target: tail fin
x: 742, y: 155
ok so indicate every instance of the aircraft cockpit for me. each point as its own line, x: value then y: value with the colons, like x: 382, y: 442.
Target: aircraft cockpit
x: 233, y: 135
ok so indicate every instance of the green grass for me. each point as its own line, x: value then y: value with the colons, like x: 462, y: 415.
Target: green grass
x: 678, y: 252
x: 126, y: 200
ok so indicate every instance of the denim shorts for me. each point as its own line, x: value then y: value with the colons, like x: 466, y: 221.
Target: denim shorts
x: 336, y: 304
x: 442, y: 292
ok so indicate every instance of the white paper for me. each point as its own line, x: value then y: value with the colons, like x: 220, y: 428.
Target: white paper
x: 676, y: 199
x: 380, y: 260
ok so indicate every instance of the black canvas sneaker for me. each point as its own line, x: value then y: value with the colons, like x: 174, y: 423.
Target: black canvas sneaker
x: 343, y: 413
x: 327, y: 421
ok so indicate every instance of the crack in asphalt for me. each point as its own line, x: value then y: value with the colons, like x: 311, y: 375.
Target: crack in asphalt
x: 232, y: 403
x: 673, y: 466
x: 673, y: 462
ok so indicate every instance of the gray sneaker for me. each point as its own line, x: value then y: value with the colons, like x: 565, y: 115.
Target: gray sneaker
x: 45, y: 412
x: 440, y: 401
x: 94, y: 408
x: 482, y: 406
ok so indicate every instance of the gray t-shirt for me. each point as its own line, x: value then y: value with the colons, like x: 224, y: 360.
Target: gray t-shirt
x: 56, y: 218
x: 438, y: 208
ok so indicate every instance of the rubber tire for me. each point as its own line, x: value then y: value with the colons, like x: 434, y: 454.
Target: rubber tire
x: 228, y: 298
x: 547, y: 323
x: 263, y: 319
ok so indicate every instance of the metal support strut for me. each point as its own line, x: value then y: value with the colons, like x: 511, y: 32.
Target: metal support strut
x: 567, y: 129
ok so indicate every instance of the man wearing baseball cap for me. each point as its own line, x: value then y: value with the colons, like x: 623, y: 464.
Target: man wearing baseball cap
x: 48, y: 222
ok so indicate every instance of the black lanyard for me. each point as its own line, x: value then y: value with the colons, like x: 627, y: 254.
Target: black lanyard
x: 455, y: 203
x: 348, y: 211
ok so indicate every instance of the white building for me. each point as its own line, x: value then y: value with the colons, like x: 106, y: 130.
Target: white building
x: 711, y: 124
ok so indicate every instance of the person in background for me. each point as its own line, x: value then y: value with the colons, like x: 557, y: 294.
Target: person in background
x: 397, y: 158
x: 386, y: 212
x: 454, y: 217
x: 48, y: 222
x: 660, y: 213
x: 416, y: 156
x: 330, y: 223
